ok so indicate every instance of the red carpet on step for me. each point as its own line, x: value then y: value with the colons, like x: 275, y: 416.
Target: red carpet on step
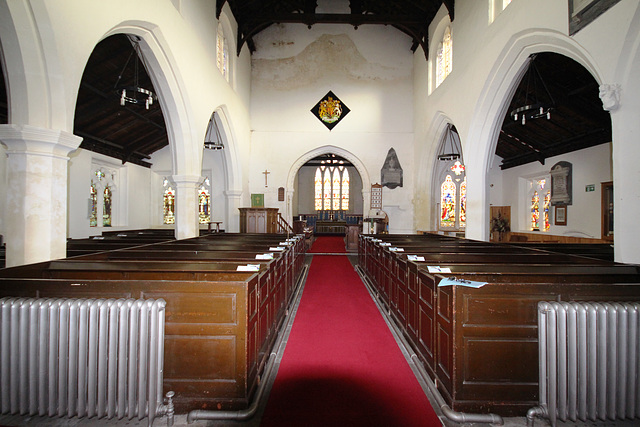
x: 341, y: 365
x: 328, y: 245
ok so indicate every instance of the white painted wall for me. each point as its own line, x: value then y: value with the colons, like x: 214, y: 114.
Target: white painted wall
x: 590, y: 166
x: 369, y: 69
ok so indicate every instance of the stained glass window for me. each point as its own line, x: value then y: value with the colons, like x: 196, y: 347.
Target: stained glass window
x: 106, y: 207
x: 169, y: 199
x: 204, y: 205
x: 222, y: 52
x: 444, y: 59
x: 93, y: 205
x: 345, y: 190
x: 336, y: 189
x: 326, y: 195
x: 317, y: 184
x: 102, y: 196
x: 547, y: 204
x: 331, y: 188
x: 448, y: 203
x: 463, y: 203
x: 535, y: 211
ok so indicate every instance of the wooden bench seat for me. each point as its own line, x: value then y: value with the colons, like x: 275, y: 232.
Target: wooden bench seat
x: 220, y: 323
x: 480, y: 344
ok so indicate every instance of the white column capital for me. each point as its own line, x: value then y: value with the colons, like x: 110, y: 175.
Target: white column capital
x: 233, y: 194
x: 26, y: 139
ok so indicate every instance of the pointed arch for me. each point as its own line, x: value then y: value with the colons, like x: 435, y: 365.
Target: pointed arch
x: 326, y: 149
x: 491, y: 106
x: 184, y: 141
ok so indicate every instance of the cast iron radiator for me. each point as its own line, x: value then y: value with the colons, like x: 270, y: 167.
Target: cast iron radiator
x: 82, y: 357
x: 589, y: 366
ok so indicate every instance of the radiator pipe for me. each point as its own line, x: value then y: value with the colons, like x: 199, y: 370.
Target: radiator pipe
x: 248, y: 413
x: 536, y: 412
x: 459, y: 417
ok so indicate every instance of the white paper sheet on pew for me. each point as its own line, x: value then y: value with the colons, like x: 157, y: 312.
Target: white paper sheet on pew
x: 415, y: 258
x: 287, y: 243
x: 385, y: 244
x: 396, y: 249
x: 277, y: 249
x: 459, y: 282
x: 436, y: 269
x: 248, y: 267
x: 264, y: 256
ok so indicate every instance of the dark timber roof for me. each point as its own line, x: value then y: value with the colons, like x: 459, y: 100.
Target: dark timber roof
x: 412, y: 17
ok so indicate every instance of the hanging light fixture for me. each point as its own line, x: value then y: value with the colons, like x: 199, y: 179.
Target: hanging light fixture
x: 134, y: 94
x: 213, y: 140
x: 451, y: 149
x: 536, y: 107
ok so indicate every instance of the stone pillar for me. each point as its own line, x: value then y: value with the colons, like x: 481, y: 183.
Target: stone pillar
x: 36, y: 200
x: 187, y: 205
x: 234, y: 198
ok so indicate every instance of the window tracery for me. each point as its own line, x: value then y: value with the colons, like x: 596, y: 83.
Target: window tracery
x: 331, y: 188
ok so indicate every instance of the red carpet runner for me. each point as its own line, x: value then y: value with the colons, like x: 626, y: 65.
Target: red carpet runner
x: 341, y: 365
x: 328, y: 245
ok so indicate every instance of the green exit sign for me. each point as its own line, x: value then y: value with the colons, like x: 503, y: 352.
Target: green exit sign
x: 589, y: 188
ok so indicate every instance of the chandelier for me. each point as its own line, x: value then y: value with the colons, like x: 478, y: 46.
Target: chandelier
x: 535, y: 107
x: 213, y: 140
x: 134, y: 94
x: 451, y: 149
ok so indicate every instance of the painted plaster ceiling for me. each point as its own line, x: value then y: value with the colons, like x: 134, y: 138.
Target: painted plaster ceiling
x: 132, y: 133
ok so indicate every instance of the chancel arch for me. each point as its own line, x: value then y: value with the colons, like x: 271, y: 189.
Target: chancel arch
x: 293, y: 184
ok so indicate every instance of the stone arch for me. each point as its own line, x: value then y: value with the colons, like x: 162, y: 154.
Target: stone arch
x: 184, y: 142
x: 326, y: 149
x: 32, y: 66
x: 480, y: 143
x: 230, y: 165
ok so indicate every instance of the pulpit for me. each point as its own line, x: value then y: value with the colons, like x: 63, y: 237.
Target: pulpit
x: 258, y: 220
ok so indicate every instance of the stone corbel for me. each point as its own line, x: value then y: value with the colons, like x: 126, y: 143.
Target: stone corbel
x: 610, y: 96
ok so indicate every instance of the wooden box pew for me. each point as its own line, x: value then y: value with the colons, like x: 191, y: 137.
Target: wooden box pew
x: 293, y: 260
x: 390, y: 270
x: 374, y: 251
x: 168, y: 233
x: 270, y: 308
x: 277, y: 296
x: 481, y: 345
x: 602, y: 251
x: 101, y: 243
x: 212, y: 356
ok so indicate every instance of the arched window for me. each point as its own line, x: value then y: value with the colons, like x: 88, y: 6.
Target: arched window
x: 168, y: 204
x: 345, y: 189
x: 448, y: 203
x: 102, y: 196
x: 222, y: 52
x: 450, y: 184
x: 547, y: 204
x: 93, y: 205
x: 204, y: 202
x: 540, y: 204
x: 331, y: 188
x: 318, y: 190
x: 444, y: 63
x: 496, y: 7
x: 535, y: 211
x: 326, y: 193
x: 463, y: 203
x: 106, y: 207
